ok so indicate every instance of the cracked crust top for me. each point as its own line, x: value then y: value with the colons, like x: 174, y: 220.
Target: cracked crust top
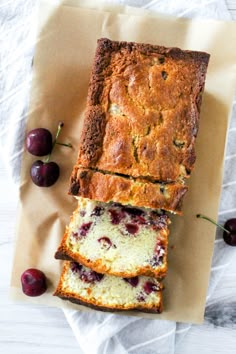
x: 143, y: 110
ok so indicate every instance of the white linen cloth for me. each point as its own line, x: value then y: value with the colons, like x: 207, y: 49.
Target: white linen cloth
x: 100, y: 332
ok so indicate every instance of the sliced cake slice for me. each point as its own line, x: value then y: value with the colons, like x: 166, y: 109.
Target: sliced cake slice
x: 136, y: 192
x: 115, y: 239
x: 83, y: 286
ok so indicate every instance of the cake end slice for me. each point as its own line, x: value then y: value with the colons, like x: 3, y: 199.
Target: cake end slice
x: 83, y: 286
x: 121, y: 189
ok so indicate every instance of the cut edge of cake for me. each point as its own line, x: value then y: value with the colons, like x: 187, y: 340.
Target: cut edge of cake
x: 65, y: 253
x: 69, y: 251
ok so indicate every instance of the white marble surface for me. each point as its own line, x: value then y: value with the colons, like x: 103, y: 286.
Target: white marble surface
x: 33, y: 329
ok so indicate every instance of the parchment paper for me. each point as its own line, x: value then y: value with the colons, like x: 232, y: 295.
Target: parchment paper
x: 62, y: 64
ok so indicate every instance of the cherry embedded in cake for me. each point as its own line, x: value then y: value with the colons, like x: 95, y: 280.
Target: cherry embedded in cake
x: 118, y: 240
x: 132, y: 281
x: 81, y: 285
x: 85, y: 274
x: 105, y: 242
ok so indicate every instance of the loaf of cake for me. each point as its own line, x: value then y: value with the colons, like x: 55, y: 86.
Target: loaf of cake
x: 81, y: 285
x: 140, y: 125
x: 119, y: 240
x: 136, y: 152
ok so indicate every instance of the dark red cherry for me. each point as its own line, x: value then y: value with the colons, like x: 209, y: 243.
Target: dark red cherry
x: 156, y: 260
x: 230, y: 237
x: 76, y: 267
x: 97, y: 211
x: 84, y: 228
x: 105, y: 242
x: 141, y: 297
x: 140, y: 220
x: 116, y: 216
x: 132, y: 281
x: 90, y: 276
x: 33, y: 282
x: 44, y: 174
x: 159, y: 222
x: 150, y: 287
x: 85, y: 274
x: 133, y: 211
x: 39, y: 142
x: 131, y: 228
x: 229, y: 229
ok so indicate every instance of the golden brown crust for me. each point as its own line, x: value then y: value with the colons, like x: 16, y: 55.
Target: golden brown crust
x: 138, y: 192
x: 156, y: 92
x: 77, y: 299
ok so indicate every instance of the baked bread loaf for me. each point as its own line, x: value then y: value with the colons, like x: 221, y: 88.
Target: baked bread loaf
x: 135, y: 153
x: 141, y: 120
x: 108, y: 293
x: 117, y: 240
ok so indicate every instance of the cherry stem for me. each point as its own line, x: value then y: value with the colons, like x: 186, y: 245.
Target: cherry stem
x: 68, y: 145
x: 212, y: 221
x: 59, y: 128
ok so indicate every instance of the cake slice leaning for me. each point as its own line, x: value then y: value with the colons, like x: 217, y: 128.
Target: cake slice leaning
x: 118, y: 240
x: 83, y: 286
